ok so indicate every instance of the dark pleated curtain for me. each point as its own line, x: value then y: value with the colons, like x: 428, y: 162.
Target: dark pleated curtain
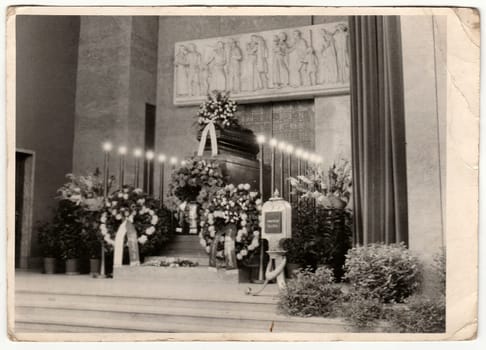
x: 378, y: 130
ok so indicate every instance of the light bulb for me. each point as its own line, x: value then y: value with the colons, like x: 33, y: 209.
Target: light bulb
x: 149, y: 155
x: 162, y: 158
x: 183, y: 163
x: 260, y: 139
x: 282, y: 145
x: 137, y: 152
x: 173, y: 160
x: 122, y: 150
x: 107, y: 146
x: 273, y: 142
x: 305, y: 155
x: 298, y: 152
x: 289, y: 149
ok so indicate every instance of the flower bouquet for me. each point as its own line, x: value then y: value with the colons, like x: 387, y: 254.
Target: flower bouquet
x: 232, y: 205
x: 331, y: 190
x: 86, y: 191
x: 218, y: 109
x: 151, y: 222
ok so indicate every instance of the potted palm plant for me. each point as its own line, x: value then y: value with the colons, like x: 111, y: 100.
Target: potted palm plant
x: 49, y: 245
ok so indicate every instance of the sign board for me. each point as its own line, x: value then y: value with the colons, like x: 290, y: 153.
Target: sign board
x: 273, y: 222
x: 277, y: 222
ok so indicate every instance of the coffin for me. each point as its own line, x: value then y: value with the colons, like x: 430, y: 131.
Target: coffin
x: 237, y: 154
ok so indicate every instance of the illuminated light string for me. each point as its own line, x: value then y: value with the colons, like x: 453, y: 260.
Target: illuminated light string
x: 150, y: 156
x: 288, y: 148
x: 261, y: 139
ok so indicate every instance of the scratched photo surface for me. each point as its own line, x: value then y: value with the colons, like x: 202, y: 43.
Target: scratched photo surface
x: 259, y: 174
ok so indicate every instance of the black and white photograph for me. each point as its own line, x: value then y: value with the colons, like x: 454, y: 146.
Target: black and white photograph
x: 242, y: 175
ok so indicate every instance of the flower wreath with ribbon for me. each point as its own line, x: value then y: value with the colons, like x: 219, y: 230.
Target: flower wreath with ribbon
x: 150, y: 221
x: 236, y: 205
x: 194, y: 182
x: 218, y: 111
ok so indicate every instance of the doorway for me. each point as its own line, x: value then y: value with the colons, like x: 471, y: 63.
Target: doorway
x: 24, y: 195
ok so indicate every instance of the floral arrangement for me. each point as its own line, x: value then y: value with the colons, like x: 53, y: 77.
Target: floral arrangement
x: 219, y: 109
x: 144, y: 212
x: 86, y: 191
x: 340, y: 180
x: 195, y: 181
x: 232, y: 205
x: 170, y: 262
x: 329, y: 190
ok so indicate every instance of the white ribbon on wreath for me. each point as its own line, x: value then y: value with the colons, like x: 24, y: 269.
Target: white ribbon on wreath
x: 211, y: 130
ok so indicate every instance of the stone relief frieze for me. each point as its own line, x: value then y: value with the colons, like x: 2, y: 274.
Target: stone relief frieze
x: 279, y: 64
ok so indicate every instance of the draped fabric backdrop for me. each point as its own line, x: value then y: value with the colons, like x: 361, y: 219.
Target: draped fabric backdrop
x: 378, y: 130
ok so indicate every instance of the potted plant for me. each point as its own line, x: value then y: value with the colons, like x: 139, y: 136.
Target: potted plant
x: 49, y: 245
x: 81, y: 202
x: 90, y: 223
x: 339, y: 184
x: 70, y: 231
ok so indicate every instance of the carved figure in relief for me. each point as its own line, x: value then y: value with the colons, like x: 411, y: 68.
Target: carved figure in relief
x: 299, y: 64
x: 280, y: 68
x: 234, y: 66
x: 181, y: 65
x: 311, y: 67
x: 257, y: 53
x: 204, y: 78
x: 216, y: 64
x: 342, y: 56
x: 328, y: 62
x: 194, y: 67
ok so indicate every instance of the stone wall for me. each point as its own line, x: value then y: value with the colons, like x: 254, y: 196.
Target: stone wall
x: 47, y: 52
x: 424, y: 68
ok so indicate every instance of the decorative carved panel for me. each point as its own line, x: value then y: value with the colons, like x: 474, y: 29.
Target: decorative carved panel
x: 291, y: 63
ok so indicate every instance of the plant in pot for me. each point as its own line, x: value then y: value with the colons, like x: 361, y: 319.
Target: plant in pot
x: 49, y: 245
x: 71, y: 235
x: 81, y: 200
x: 92, y: 244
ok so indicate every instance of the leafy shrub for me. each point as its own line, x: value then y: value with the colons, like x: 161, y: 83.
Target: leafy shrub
x: 422, y: 315
x: 439, y: 267
x: 310, y: 294
x: 320, y: 237
x: 388, y: 273
x: 362, y: 312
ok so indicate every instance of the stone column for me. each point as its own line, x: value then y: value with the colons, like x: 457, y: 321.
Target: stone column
x: 102, y: 89
x: 116, y: 78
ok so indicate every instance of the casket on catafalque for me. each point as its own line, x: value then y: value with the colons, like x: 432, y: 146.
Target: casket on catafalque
x: 237, y: 154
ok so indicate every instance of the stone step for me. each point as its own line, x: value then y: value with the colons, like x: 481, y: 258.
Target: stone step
x: 55, y: 303
x: 126, y: 316
x: 174, y: 274
x: 122, y: 303
x: 184, y: 243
